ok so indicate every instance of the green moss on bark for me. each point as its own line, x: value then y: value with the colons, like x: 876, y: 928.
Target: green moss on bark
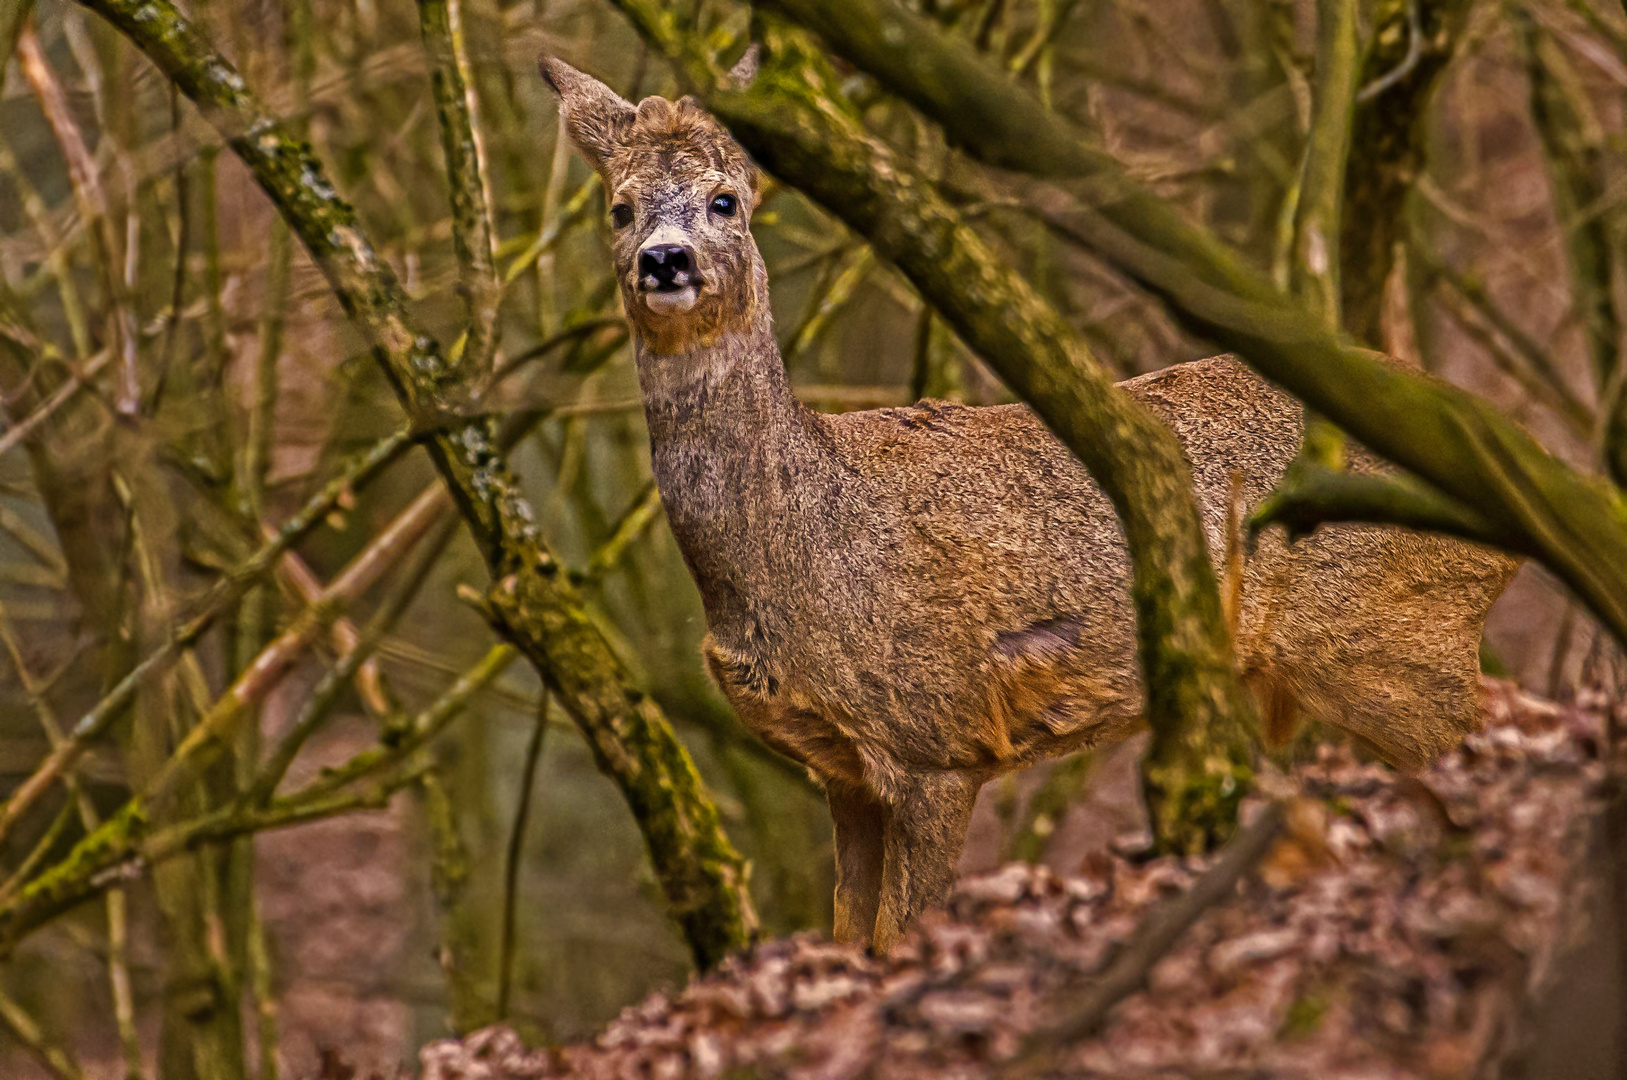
x: 1399, y: 75
x: 797, y: 124
x: 699, y: 870
x: 1577, y: 525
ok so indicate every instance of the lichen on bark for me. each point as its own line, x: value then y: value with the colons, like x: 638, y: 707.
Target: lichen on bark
x: 1453, y: 441
x: 699, y: 870
x: 799, y: 126
x: 1412, y: 42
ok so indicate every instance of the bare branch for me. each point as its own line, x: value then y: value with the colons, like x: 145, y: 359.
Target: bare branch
x: 87, y: 189
x: 1156, y: 935
x: 27, y: 1030
x: 533, y: 603
x: 1316, y: 495
x: 1571, y: 142
x: 123, y: 847
x: 511, y: 858
x: 226, y: 592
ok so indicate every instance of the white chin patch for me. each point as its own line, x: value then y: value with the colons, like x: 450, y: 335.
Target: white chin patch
x: 672, y: 303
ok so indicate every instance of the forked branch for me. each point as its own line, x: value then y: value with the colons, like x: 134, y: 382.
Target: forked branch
x: 632, y: 741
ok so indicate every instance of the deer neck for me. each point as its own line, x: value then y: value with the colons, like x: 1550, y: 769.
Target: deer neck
x: 737, y: 458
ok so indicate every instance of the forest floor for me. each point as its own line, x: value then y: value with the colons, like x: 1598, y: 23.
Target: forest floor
x: 1436, y: 927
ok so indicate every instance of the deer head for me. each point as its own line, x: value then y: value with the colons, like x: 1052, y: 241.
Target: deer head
x: 681, y: 193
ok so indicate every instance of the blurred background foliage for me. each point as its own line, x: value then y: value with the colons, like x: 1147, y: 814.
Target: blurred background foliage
x: 192, y: 383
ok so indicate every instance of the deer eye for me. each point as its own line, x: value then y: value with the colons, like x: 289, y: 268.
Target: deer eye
x: 621, y: 215
x: 724, y: 204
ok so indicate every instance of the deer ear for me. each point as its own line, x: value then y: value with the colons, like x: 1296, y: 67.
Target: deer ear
x: 595, y: 116
x: 744, y: 72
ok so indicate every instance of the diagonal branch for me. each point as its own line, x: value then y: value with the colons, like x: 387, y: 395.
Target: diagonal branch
x: 534, y: 604
x: 1577, y: 525
x: 1158, y: 932
x: 1572, y: 144
x: 1314, y: 495
x: 125, y: 844
x: 230, y: 589
x: 93, y: 206
x: 798, y: 125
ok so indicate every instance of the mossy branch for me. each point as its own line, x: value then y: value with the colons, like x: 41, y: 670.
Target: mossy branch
x: 797, y: 124
x: 1576, y: 525
x: 226, y: 593
x: 1314, y: 495
x: 1314, y: 272
x: 1411, y: 45
x: 442, y: 24
x: 1514, y: 350
x: 700, y: 872
x: 127, y: 844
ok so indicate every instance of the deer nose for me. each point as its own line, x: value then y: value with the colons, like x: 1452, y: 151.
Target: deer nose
x: 664, y: 262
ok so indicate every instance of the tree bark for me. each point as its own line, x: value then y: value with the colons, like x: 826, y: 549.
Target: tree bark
x: 533, y: 603
x: 1413, y: 40
x: 1576, y: 525
x: 796, y: 123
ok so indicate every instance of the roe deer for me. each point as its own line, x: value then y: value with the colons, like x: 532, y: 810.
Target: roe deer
x: 910, y: 601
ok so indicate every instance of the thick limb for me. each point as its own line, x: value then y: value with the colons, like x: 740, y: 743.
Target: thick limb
x: 861, y: 824
x: 926, y: 828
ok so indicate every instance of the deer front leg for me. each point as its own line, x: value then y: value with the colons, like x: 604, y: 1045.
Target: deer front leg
x: 926, y: 828
x: 861, y: 823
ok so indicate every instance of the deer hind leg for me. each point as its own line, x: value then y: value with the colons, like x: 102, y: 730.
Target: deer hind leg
x: 925, y: 831
x: 861, y: 824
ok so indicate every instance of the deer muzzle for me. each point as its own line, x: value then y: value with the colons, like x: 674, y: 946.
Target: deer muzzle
x: 667, y: 278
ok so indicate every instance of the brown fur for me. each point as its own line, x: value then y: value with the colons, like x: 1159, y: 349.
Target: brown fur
x: 911, y: 601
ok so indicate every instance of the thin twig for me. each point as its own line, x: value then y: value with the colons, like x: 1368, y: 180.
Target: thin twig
x: 353, y: 660
x: 1524, y: 352
x: 1415, y: 51
x: 226, y: 592
x: 512, y: 857
x: 27, y: 1030
x: 41, y: 850
x: 1157, y: 934
x: 55, y: 253
x: 308, y: 587
x: 118, y: 936
x: 87, y: 188
x: 644, y: 509
x: 257, y: 679
x: 81, y: 378
x: 119, y: 851
x: 1043, y: 37
x: 831, y: 302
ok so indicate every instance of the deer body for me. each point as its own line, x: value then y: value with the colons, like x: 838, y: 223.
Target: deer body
x: 911, y: 601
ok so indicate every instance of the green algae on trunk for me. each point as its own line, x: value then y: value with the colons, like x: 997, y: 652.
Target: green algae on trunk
x: 700, y: 872
x: 799, y: 127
